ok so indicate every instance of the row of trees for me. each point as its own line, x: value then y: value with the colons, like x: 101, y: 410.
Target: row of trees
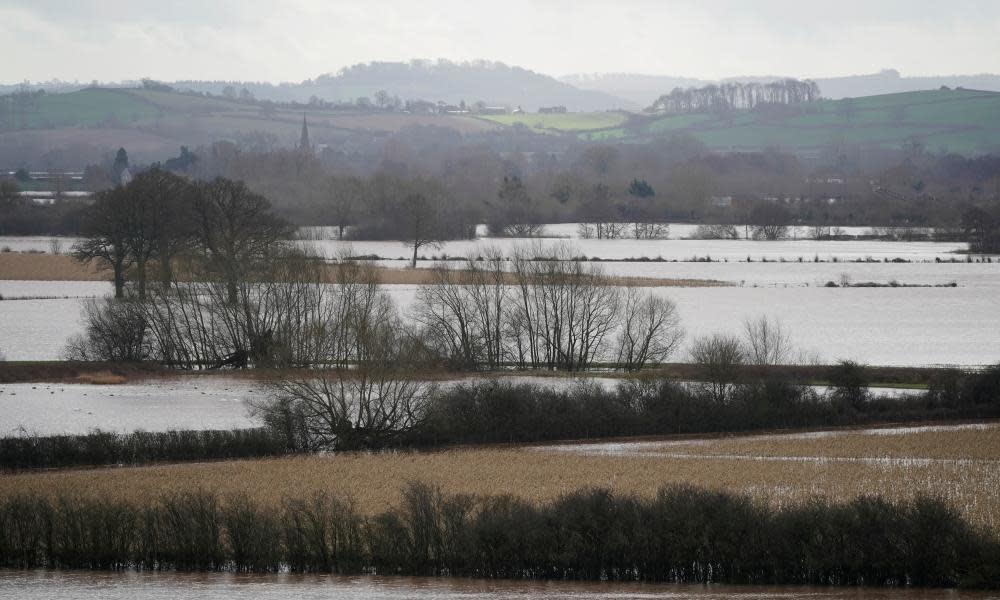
x: 539, y: 309
x: 680, y: 534
x: 737, y: 96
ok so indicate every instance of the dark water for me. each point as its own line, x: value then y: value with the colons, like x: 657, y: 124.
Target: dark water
x: 60, y: 585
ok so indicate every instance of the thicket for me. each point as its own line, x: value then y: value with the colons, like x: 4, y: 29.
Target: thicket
x: 140, y: 447
x: 404, y: 413
x: 683, y: 534
x: 499, y: 411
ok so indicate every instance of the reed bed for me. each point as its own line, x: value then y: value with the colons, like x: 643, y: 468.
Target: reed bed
x: 968, y: 480
x: 61, y: 267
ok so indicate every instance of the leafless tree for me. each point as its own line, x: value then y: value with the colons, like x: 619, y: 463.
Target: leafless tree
x: 719, y: 356
x: 420, y: 213
x: 770, y: 221
x: 463, y: 312
x: 767, y: 343
x: 115, y: 330
x: 370, y: 405
x: 236, y: 230
x: 650, y: 330
x: 106, y: 227
x: 717, y: 232
x: 346, y: 196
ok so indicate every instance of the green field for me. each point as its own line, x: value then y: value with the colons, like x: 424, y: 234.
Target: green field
x: 562, y: 122
x: 88, y: 108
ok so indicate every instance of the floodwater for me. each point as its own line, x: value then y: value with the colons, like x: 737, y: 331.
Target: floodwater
x: 680, y: 250
x: 54, y: 585
x: 685, y: 448
x: 879, y: 326
x: 154, y: 405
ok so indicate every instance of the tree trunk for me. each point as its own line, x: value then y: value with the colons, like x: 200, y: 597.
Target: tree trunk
x: 119, y: 280
x: 141, y: 277
x: 166, y: 270
x: 413, y: 264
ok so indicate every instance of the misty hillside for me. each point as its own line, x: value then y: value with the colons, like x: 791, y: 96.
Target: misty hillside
x: 491, y: 82
x: 961, y: 121
x: 644, y: 89
x: 640, y: 89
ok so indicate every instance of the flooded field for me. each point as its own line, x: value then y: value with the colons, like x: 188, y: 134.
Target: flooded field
x: 879, y: 326
x: 51, y: 585
x: 155, y: 405
x: 960, y: 465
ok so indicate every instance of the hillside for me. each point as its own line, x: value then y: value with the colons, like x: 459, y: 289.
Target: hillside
x: 962, y: 121
x: 75, y: 128
x: 644, y: 89
x: 490, y: 82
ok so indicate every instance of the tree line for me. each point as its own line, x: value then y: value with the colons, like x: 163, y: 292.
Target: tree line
x: 682, y: 534
x: 736, y: 96
x: 305, y: 415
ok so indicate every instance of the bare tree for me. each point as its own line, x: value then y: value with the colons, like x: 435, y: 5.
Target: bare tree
x: 770, y: 221
x: 716, y: 232
x: 719, y: 356
x: 346, y: 196
x: 371, y: 405
x: 650, y: 330
x: 767, y: 343
x: 236, y: 230
x: 420, y: 213
x: 106, y: 227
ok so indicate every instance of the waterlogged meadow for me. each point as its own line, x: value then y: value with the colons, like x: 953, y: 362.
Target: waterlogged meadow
x: 154, y: 405
x: 881, y: 326
x: 958, y: 464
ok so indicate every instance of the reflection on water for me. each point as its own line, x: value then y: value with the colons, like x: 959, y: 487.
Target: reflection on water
x: 149, y: 586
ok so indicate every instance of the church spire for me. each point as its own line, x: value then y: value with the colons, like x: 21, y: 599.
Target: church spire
x: 304, y: 142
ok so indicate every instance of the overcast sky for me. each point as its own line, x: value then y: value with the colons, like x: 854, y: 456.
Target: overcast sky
x: 292, y: 40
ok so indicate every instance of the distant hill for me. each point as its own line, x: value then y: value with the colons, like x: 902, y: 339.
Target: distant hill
x: 73, y: 129
x: 491, y: 82
x: 638, y: 89
x: 644, y: 89
x: 962, y: 121
x: 889, y: 81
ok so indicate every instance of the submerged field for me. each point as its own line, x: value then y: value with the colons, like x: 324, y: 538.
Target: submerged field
x: 960, y: 464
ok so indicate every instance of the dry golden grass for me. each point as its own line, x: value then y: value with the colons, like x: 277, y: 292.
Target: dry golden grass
x: 58, y: 267
x: 967, y: 442
x: 101, y: 378
x: 48, y: 267
x: 543, y: 473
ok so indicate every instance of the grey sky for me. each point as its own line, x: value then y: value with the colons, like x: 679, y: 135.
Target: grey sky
x: 292, y: 40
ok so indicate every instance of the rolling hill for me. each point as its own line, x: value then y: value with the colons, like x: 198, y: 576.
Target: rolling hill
x: 73, y: 129
x: 961, y: 121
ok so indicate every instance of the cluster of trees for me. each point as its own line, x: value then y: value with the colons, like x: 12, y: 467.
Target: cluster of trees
x: 542, y: 310
x: 20, y: 216
x: 590, y: 534
x: 981, y: 227
x: 17, y: 109
x: 220, y: 227
x: 737, y: 96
